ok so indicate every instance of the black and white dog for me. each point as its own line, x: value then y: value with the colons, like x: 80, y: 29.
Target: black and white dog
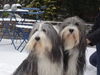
x: 46, y: 57
x: 74, y: 44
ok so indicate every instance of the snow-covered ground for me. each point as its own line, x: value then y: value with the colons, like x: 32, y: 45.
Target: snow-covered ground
x: 11, y: 58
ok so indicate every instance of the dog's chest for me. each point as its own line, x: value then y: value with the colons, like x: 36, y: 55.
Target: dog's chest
x: 46, y: 67
x: 72, y: 62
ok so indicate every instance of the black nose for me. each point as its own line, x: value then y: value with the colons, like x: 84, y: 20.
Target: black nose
x: 71, y: 30
x: 37, y: 38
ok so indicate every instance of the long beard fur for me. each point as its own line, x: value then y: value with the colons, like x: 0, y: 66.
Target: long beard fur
x: 71, y: 41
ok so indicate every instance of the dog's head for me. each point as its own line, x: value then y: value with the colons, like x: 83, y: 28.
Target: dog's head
x: 43, y: 38
x: 72, y: 32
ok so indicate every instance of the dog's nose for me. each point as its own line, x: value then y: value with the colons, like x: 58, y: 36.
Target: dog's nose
x: 37, y: 38
x: 71, y: 30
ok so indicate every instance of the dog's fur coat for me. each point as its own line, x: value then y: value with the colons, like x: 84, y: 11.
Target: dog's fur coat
x: 46, y: 57
x: 74, y: 43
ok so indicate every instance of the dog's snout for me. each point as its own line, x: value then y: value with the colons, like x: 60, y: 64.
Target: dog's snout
x: 71, y: 30
x: 37, y: 38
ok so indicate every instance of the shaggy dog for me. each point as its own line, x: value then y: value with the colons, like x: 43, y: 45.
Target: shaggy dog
x: 74, y: 44
x: 46, y: 57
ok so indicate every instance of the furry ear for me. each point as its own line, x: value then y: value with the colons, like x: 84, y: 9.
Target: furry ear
x: 82, y: 27
x: 83, y: 43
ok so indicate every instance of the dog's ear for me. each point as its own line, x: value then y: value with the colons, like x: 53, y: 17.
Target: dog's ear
x: 82, y: 51
x: 82, y: 44
x: 34, y: 29
x: 82, y: 28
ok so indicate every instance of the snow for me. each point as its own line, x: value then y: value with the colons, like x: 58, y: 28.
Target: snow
x: 10, y: 58
x: 90, y: 70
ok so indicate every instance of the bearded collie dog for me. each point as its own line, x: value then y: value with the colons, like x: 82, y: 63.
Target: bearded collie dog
x: 46, y: 54
x: 74, y: 44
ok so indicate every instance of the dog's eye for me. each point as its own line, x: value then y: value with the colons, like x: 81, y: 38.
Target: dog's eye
x: 77, y: 24
x: 44, y: 30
